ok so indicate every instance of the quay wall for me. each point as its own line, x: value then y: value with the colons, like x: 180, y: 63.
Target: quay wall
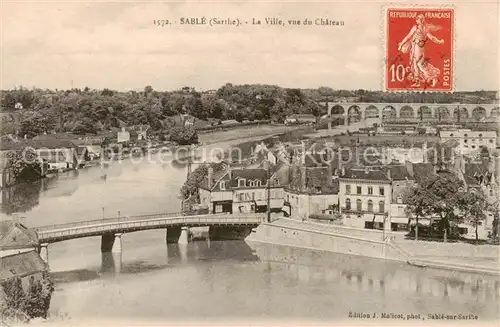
x: 305, y: 237
x: 431, y: 249
x: 450, y: 256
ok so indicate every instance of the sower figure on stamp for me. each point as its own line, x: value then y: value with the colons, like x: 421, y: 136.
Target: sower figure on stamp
x: 414, y: 42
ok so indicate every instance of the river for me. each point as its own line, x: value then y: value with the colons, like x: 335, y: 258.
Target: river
x: 218, y: 281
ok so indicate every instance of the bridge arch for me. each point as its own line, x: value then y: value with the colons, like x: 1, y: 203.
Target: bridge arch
x: 336, y: 110
x: 443, y: 113
x: 354, y: 114
x: 479, y: 113
x: 336, y: 114
x: 371, y: 112
x: 424, y: 112
x: 388, y: 113
x: 406, y: 112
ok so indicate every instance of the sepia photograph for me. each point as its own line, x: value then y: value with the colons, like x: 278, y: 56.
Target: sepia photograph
x: 249, y: 163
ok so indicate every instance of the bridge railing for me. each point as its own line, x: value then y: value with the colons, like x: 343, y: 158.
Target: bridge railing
x: 143, y: 220
x: 109, y: 220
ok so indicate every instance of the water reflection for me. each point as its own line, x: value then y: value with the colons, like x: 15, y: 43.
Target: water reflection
x: 113, y: 264
x: 21, y: 198
x: 371, y: 275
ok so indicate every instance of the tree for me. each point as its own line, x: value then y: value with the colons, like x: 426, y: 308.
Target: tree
x: 35, y: 123
x: 440, y: 195
x: 195, y: 179
x: 419, y: 203
x: 184, y: 135
x: 25, y: 165
x: 473, y: 207
x: 85, y: 126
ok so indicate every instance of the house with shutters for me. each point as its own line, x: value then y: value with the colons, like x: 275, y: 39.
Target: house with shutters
x: 243, y: 190
x: 313, y: 187
x: 365, y: 197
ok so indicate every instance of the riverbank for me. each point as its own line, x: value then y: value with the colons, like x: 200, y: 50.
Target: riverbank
x: 483, y: 259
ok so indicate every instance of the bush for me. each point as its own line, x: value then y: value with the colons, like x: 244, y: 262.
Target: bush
x: 27, y: 304
x: 184, y: 135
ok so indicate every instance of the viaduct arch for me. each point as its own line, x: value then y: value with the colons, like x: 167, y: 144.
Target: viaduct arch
x: 354, y: 112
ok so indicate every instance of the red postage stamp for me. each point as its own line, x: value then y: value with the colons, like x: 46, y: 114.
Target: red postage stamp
x: 419, y: 49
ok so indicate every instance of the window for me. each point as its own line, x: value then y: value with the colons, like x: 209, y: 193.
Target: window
x: 465, y: 135
x: 359, y: 205
x: 251, y: 183
x: 241, y: 197
x: 241, y: 182
x: 399, y: 199
x: 451, y: 135
x: 257, y: 183
x: 348, y: 204
x: 370, y: 205
x: 381, y: 190
x: 370, y: 190
x: 465, y: 141
x: 222, y: 185
x: 358, y: 189
x: 348, y: 189
x: 473, y: 146
x: 381, y: 206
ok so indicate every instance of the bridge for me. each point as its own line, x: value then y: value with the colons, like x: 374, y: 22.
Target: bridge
x: 221, y: 226
x: 354, y: 112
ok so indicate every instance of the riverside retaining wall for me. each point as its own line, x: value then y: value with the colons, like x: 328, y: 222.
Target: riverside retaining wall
x: 306, y: 237
x: 431, y: 249
x: 451, y: 256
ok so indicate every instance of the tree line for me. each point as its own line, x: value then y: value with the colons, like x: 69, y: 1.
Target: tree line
x: 88, y: 111
x: 35, y: 111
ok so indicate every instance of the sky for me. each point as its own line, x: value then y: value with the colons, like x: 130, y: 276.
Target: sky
x: 114, y: 44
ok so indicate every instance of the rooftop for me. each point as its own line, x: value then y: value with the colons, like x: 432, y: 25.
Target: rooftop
x: 366, y: 173
x: 15, y: 235
x: 21, y: 265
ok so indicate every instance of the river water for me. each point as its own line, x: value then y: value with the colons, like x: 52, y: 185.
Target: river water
x: 219, y: 281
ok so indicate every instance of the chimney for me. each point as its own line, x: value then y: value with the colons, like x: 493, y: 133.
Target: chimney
x: 389, y: 175
x: 229, y: 172
x: 210, y: 177
x: 367, y: 170
x: 342, y: 171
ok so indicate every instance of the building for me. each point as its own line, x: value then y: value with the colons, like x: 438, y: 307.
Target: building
x: 402, y: 181
x: 25, y: 265
x: 365, y: 196
x: 481, y: 178
x: 312, y: 188
x: 7, y: 176
x: 240, y: 190
x: 123, y: 136
x: 470, y: 141
x: 16, y: 238
x: 300, y: 118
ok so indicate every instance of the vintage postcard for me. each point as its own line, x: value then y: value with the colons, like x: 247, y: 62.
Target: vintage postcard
x: 249, y: 163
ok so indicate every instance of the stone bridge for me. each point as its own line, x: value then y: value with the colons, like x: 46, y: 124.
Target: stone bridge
x: 355, y: 112
x: 221, y: 226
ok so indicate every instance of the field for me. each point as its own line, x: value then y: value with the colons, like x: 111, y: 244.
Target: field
x: 242, y: 133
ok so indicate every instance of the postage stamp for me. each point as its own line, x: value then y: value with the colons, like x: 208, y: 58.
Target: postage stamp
x: 419, y: 49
